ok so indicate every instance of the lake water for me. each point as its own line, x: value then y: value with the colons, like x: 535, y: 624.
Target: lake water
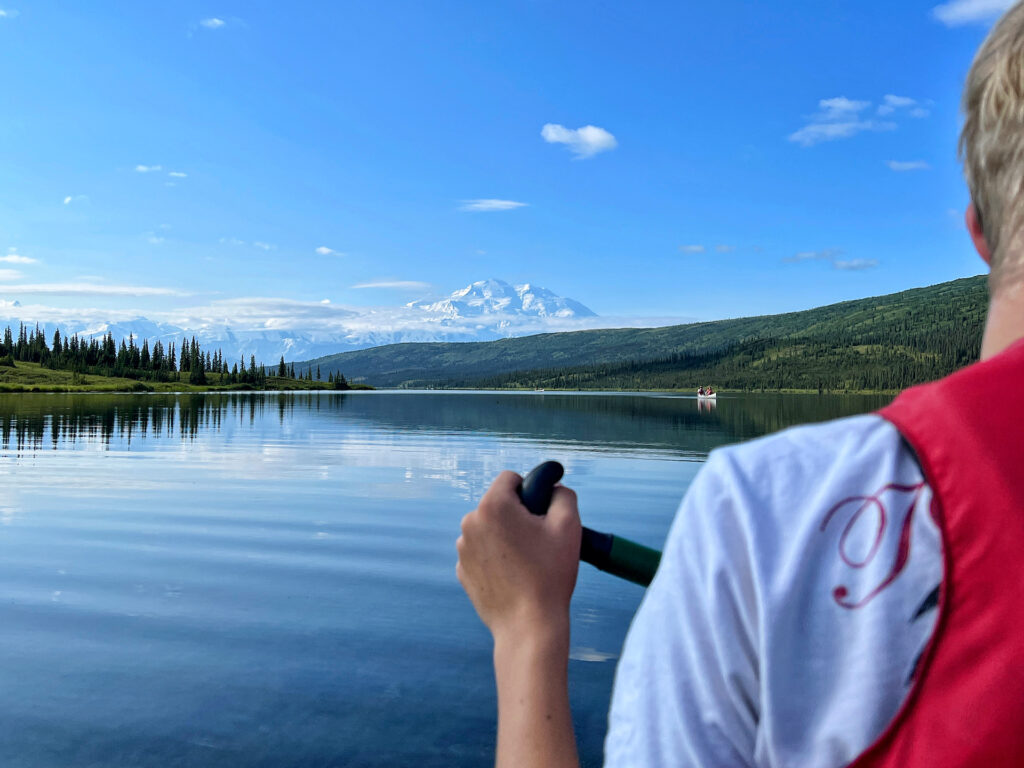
x: 268, y: 579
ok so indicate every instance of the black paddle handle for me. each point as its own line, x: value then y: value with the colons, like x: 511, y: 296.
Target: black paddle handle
x: 613, y: 554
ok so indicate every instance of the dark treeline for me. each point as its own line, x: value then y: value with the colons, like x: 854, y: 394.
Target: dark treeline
x: 882, y: 359
x: 105, y: 357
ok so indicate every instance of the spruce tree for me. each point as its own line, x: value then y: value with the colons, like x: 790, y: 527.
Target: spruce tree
x: 282, y: 369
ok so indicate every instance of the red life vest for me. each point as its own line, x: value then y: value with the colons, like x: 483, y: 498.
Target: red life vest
x: 967, y: 706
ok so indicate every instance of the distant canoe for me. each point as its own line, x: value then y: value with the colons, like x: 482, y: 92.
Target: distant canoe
x: 708, y: 397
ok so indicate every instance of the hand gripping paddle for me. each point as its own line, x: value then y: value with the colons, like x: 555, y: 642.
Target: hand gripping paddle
x: 613, y: 554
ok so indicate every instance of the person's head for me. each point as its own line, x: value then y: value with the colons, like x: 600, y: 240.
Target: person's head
x: 992, y: 149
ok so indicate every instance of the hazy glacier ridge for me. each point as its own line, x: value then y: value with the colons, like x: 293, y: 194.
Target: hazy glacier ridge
x: 271, y: 328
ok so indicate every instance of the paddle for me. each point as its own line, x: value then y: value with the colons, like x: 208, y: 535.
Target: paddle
x: 612, y: 554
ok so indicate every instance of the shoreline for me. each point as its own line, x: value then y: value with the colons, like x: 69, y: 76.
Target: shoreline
x: 187, y: 389
x: 33, y: 378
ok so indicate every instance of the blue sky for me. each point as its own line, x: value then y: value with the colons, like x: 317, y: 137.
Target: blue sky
x: 164, y: 156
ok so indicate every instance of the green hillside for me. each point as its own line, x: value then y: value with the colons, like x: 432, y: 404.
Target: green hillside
x: 880, y: 343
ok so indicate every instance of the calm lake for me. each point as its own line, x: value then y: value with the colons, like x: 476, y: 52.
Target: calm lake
x: 268, y: 579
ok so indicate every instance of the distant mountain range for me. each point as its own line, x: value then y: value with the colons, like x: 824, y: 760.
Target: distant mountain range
x: 882, y: 343
x: 484, y: 310
x: 496, y: 298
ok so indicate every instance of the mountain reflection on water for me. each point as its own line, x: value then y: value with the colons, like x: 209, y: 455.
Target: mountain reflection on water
x: 268, y: 579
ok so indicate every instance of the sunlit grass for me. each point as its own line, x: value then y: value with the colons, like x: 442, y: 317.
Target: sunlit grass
x: 32, y: 377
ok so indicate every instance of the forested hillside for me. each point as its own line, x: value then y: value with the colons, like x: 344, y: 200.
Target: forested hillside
x: 881, y: 343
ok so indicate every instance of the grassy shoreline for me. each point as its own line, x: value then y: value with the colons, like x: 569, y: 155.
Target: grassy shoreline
x: 34, y: 378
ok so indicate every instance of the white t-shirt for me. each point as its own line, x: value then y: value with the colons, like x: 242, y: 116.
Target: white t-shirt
x: 794, y: 597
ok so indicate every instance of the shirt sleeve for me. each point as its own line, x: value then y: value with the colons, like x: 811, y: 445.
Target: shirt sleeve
x: 686, y: 687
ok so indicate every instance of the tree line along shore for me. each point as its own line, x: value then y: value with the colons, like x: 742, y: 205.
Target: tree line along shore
x: 31, y: 363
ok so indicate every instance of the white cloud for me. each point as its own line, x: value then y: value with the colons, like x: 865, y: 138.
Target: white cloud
x: 490, y: 204
x: 827, y: 254
x: 832, y: 256
x: 212, y: 23
x: 321, y: 322
x: 69, y: 199
x: 10, y: 274
x: 325, y: 301
x: 838, y: 118
x: 901, y: 166
x: 154, y: 239
x: 583, y: 142
x: 234, y: 241
x: 315, y: 317
x: 956, y: 13
x: 404, y: 285
x: 725, y: 248
x: 692, y: 248
x: 16, y: 258
x: 89, y: 289
x: 855, y: 264
x: 7, y: 13
x: 323, y: 250
x: 177, y: 174
x: 915, y: 108
x: 899, y: 101
x: 892, y: 103
x: 840, y: 108
x: 148, y: 168
x: 816, y: 133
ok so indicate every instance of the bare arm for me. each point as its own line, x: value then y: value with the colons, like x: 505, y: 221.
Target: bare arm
x: 520, y: 571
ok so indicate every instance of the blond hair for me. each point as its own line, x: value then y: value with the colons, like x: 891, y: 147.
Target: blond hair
x: 992, y: 140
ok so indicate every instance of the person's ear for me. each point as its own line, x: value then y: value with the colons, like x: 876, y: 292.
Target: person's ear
x: 973, y: 220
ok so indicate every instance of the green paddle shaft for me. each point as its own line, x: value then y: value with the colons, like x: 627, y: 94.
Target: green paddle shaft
x: 612, y: 554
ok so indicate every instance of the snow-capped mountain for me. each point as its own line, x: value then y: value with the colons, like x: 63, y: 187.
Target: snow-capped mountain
x: 496, y: 297
x: 270, y: 329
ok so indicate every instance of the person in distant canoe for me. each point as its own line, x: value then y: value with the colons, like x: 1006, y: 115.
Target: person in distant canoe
x: 709, y: 391
x: 700, y: 391
x: 842, y: 594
